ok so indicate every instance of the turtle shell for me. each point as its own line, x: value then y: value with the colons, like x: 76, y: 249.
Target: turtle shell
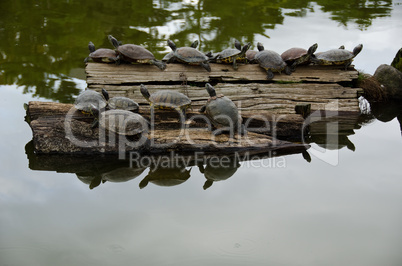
x: 123, y: 103
x: 293, y: 53
x: 123, y: 122
x: 335, y: 56
x: 270, y: 60
x: 222, y: 111
x: 250, y: 55
x: 104, y: 55
x: 167, y: 99
x: 190, y: 55
x: 89, y: 100
x: 134, y: 53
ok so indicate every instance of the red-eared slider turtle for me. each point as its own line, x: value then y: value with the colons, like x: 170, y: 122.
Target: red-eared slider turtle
x: 166, y: 177
x: 230, y: 56
x: 102, y: 55
x: 90, y: 102
x: 218, y: 172
x: 135, y: 54
x: 123, y: 122
x: 188, y: 55
x: 169, y: 56
x: 250, y: 55
x: 298, y: 56
x: 166, y: 99
x: 222, y: 112
x: 122, y: 103
x: 336, y: 57
x: 271, y: 61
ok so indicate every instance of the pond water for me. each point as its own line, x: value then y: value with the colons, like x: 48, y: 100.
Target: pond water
x: 342, y: 208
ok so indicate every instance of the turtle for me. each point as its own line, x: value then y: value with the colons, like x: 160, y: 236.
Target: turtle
x: 166, y: 99
x: 214, y: 172
x: 250, y: 55
x: 298, y: 56
x: 122, y: 103
x: 90, y: 102
x: 135, y: 54
x: 271, y: 61
x: 222, y: 112
x: 123, y: 122
x: 188, y: 55
x: 102, y: 55
x: 166, y: 176
x: 230, y: 55
x: 337, y: 57
x: 171, y: 54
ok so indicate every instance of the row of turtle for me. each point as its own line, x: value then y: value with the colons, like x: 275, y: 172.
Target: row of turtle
x: 121, y: 113
x: 269, y: 60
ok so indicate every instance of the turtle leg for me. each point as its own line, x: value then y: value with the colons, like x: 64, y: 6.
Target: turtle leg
x: 206, y: 66
x: 270, y: 74
x: 202, y: 109
x: 160, y: 64
x: 292, y: 67
x: 288, y: 70
x: 347, y: 65
x: 234, y: 64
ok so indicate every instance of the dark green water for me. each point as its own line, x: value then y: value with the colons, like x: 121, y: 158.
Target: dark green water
x: 342, y: 208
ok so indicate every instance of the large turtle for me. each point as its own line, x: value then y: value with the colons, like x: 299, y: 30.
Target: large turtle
x: 90, y: 102
x: 135, y: 54
x: 222, y: 112
x: 101, y: 55
x: 170, y: 55
x: 166, y: 99
x: 337, y: 57
x: 123, y: 122
x: 271, y: 61
x: 122, y: 103
x: 298, y: 56
x: 230, y: 55
x: 188, y: 55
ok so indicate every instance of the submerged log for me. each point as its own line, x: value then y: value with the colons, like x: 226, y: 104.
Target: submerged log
x: 60, y: 128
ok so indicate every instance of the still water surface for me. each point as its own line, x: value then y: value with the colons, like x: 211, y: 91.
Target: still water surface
x: 342, y: 208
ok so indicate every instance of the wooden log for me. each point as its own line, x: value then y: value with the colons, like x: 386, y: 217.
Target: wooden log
x: 110, y: 74
x: 60, y: 128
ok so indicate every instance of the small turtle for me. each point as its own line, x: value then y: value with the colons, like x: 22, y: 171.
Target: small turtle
x: 166, y: 176
x: 122, y: 103
x: 135, y: 54
x: 222, y: 112
x: 250, y: 55
x: 102, y: 55
x: 188, y: 55
x: 337, y: 57
x: 123, y: 122
x: 166, y: 99
x: 271, y: 61
x: 230, y: 56
x: 298, y: 56
x: 168, y: 57
x: 90, y: 102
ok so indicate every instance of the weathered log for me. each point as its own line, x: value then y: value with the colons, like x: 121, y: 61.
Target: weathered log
x: 60, y: 128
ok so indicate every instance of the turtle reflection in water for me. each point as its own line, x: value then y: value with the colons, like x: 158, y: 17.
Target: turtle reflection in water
x: 218, y: 170
x: 166, y: 176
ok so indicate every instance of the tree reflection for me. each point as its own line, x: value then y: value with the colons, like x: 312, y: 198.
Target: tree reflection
x: 43, y: 40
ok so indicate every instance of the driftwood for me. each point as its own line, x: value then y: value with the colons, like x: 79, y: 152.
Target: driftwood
x: 60, y: 128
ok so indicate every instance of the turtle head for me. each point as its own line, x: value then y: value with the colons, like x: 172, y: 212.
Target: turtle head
x: 357, y: 49
x: 211, y: 91
x: 105, y: 94
x: 91, y: 47
x: 144, y: 91
x: 237, y: 45
x: 312, y: 49
x: 194, y: 44
x: 113, y: 41
x: 172, y: 45
x: 260, y: 47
